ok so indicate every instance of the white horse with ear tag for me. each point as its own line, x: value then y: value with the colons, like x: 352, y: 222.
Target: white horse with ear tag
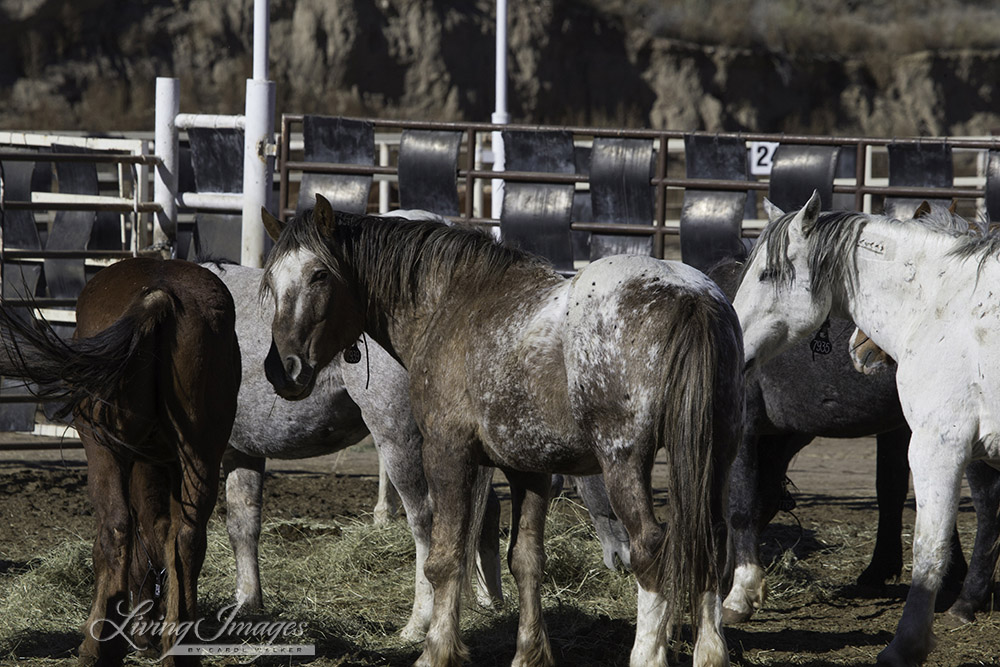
x: 928, y: 297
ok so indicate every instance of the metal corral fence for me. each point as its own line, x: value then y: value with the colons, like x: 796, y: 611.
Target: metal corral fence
x: 87, y: 201
x: 855, y: 170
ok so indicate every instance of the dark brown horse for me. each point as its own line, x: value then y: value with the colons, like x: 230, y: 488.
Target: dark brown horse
x: 151, y: 376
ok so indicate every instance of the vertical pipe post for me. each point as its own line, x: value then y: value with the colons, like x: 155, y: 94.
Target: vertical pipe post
x: 258, y: 143
x: 261, y: 38
x: 500, y: 115
x: 258, y: 168
x: 166, y: 148
x: 383, y: 185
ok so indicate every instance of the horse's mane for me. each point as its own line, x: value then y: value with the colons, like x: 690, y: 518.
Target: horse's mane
x: 399, y: 258
x: 831, y: 242
x: 834, y: 238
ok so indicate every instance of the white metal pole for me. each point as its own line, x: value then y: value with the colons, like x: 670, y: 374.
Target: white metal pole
x: 258, y: 144
x: 261, y: 38
x: 383, y: 186
x: 258, y: 168
x: 500, y: 116
x: 166, y: 148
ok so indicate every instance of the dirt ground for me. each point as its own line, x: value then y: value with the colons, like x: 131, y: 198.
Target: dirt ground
x: 815, y: 615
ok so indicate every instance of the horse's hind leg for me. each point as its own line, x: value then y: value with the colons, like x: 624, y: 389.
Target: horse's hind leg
x: 244, y: 475
x: 755, y: 494
x: 488, y: 590
x: 104, y: 641
x: 450, y: 469
x: 629, y: 492
x: 149, y: 497
x: 196, y: 479
x: 984, y: 482
x: 529, y: 494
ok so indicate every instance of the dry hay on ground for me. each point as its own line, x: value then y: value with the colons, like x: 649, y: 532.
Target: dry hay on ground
x: 351, y: 583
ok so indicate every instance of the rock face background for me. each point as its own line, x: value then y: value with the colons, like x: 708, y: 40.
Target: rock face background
x: 91, y: 65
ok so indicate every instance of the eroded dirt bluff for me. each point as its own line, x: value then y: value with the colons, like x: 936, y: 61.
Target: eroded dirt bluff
x: 91, y: 64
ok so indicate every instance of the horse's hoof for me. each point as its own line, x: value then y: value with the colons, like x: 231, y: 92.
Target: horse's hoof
x: 876, y: 579
x: 733, y: 617
x: 961, y: 613
x: 413, y: 634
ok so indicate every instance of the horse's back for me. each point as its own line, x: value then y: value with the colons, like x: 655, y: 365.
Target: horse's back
x: 627, y: 300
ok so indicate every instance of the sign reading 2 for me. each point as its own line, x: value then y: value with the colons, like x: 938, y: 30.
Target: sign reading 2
x: 761, y: 157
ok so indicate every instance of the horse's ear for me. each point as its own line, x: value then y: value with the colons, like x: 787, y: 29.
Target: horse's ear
x: 773, y: 212
x: 324, y: 217
x: 922, y: 210
x: 810, y: 212
x: 273, y: 226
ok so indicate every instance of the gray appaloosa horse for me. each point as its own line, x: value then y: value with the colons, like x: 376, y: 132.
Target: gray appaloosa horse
x: 513, y: 365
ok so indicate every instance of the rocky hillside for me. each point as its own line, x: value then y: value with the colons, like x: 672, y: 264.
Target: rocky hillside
x: 91, y: 64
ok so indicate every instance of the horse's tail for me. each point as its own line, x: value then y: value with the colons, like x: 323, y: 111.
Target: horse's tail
x: 76, y: 370
x: 702, y: 423
x: 482, y: 575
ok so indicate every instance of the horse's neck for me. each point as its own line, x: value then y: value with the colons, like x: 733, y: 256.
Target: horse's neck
x: 898, y: 279
x: 398, y: 324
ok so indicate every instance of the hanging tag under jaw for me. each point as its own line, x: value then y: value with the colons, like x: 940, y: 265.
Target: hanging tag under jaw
x: 352, y: 355
x: 820, y: 343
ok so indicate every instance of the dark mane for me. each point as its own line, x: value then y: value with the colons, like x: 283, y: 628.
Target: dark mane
x: 835, y: 235
x: 981, y: 247
x: 832, y: 241
x: 399, y: 258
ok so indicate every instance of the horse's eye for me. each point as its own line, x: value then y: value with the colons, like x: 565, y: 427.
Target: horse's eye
x: 319, y: 275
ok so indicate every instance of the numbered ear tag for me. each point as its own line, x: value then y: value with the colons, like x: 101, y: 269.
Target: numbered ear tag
x: 821, y: 341
x: 352, y: 355
x: 161, y: 577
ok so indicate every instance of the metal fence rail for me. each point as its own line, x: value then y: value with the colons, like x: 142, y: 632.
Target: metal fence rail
x: 864, y: 185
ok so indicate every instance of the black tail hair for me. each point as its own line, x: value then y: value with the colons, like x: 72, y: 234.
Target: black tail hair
x: 80, y: 369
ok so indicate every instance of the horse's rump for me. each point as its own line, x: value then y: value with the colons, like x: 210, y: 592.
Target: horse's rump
x: 668, y: 367
x: 130, y: 317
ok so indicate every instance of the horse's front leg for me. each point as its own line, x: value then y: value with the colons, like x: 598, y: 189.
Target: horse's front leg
x: 937, y: 462
x: 529, y: 493
x: 892, y: 483
x: 387, y: 504
x: 450, y: 469
x: 984, y: 483
x: 244, y: 475
x: 748, y: 590
x: 610, y: 531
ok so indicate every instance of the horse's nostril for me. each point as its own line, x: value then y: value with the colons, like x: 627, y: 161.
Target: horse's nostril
x: 297, y: 370
x: 293, y: 366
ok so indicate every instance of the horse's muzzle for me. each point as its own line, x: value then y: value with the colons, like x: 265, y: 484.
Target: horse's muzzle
x: 292, y: 377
